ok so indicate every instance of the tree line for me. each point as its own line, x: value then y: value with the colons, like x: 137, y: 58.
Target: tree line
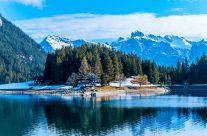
x: 106, y: 65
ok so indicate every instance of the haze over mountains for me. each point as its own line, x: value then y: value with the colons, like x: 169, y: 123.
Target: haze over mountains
x: 166, y: 50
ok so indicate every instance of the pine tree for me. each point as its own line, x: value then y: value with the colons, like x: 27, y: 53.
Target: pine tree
x: 155, y: 73
x: 108, y: 66
x: 168, y: 79
x: 185, y: 69
x: 72, y: 80
x: 150, y: 71
x: 139, y: 68
x: 47, y: 70
x: 84, y: 69
x: 104, y: 79
x: 98, y: 70
x: 117, y: 70
x: 178, y: 73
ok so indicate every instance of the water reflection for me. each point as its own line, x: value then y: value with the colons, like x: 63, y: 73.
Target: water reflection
x: 43, y: 115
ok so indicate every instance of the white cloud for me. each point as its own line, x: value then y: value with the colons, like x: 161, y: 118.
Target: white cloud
x: 90, y: 26
x: 36, y: 3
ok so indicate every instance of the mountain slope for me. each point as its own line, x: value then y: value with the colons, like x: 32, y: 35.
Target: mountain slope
x: 21, y: 58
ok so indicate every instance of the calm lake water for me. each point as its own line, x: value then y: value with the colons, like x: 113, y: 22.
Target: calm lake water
x: 32, y: 115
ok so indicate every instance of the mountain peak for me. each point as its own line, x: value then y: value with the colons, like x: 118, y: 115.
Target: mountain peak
x: 57, y: 38
x: 120, y: 39
x: 54, y: 42
x: 203, y: 41
x: 137, y: 34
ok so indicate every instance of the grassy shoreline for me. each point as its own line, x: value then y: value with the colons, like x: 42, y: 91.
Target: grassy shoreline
x: 101, y: 92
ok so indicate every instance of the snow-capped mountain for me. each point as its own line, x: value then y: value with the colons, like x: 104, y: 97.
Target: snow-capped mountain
x: 165, y: 50
x: 197, y: 50
x: 52, y: 42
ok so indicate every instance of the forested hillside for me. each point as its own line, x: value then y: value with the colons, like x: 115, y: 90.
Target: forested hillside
x: 21, y: 58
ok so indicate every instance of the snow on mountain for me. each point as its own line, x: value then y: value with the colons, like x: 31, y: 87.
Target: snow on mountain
x: 178, y: 42
x: 52, y: 43
x: 165, y: 50
x: 1, y: 22
x: 197, y: 50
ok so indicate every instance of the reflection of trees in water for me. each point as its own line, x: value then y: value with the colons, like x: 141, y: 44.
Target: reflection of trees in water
x: 84, y: 118
x: 90, y: 117
x: 18, y: 117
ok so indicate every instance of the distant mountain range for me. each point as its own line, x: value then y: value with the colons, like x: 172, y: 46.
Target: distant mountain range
x: 166, y: 50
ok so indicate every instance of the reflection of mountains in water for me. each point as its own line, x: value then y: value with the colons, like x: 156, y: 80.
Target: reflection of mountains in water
x: 89, y: 117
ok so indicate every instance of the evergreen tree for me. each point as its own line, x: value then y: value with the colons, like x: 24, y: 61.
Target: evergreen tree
x: 72, y: 80
x: 47, y: 71
x: 185, y: 69
x: 155, y: 73
x: 117, y: 70
x: 178, y: 73
x: 98, y: 70
x: 84, y: 69
x: 108, y: 66
x: 139, y: 68
x: 104, y: 79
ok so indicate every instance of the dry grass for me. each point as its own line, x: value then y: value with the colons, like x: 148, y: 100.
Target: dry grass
x: 142, y: 88
x: 109, y: 88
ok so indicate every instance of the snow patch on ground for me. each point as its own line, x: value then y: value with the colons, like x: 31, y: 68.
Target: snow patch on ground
x: 30, y: 85
x: 24, y: 85
x: 125, y: 83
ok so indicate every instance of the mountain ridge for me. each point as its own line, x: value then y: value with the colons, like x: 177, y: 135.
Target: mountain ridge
x: 164, y: 50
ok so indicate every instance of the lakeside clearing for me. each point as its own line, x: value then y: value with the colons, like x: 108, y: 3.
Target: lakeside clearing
x: 61, y: 90
x: 106, y: 91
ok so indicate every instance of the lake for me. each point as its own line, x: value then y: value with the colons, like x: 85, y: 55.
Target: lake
x: 33, y: 115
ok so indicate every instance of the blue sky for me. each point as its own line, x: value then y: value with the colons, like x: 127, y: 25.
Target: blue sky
x: 40, y: 18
